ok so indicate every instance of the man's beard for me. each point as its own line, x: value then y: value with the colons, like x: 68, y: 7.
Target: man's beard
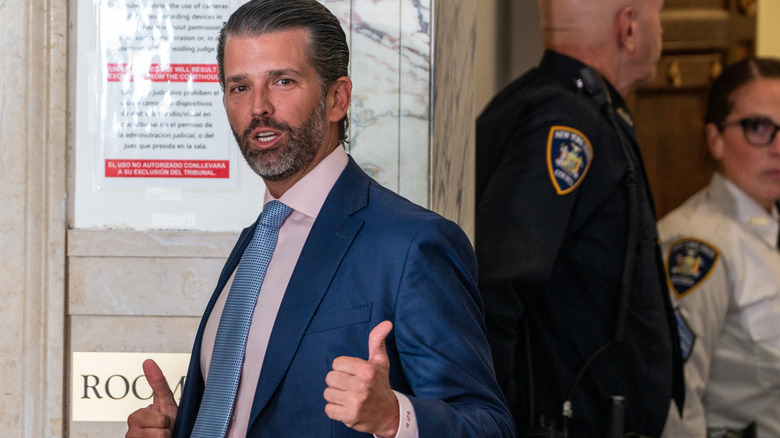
x: 292, y: 154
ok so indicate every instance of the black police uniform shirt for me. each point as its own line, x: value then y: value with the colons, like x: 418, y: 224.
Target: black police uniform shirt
x: 551, y: 232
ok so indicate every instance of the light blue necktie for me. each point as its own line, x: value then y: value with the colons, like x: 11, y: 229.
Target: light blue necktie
x: 230, y: 343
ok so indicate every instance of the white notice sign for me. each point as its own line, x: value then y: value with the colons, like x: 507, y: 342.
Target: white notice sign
x: 161, y: 113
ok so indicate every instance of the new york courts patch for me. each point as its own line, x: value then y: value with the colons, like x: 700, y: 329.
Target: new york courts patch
x: 569, y: 154
x: 689, y: 263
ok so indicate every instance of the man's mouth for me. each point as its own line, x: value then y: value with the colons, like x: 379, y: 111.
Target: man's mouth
x: 265, y: 136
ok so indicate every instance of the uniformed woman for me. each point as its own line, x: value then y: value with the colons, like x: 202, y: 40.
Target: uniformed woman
x: 723, y: 264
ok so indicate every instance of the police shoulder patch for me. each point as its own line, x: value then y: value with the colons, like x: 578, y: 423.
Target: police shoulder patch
x: 569, y: 154
x: 688, y: 263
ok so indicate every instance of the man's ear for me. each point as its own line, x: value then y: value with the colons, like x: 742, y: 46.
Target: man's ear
x: 339, y: 97
x: 627, y: 28
x: 714, y: 141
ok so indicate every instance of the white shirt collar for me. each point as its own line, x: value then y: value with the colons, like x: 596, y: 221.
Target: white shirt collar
x: 750, y: 213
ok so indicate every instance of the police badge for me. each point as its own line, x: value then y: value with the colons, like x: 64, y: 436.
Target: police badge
x: 569, y: 155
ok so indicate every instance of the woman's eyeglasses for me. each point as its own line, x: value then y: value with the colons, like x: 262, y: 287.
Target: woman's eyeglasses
x: 758, y: 131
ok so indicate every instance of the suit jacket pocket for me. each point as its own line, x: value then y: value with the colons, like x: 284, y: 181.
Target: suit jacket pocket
x: 334, y: 319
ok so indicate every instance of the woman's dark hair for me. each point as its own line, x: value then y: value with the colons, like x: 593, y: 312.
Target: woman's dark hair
x: 328, y: 51
x: 719, y: 102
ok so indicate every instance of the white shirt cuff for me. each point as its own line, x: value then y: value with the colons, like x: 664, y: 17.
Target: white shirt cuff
x: 407, y: 428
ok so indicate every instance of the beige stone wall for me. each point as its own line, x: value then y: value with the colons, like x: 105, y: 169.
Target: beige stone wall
x: 452, y: 149
x: 33, y: 114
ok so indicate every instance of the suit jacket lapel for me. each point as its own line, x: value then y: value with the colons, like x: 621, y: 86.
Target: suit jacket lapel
x: 329, y: 239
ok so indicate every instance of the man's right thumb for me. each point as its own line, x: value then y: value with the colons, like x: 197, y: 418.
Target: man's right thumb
x: 163, y: 397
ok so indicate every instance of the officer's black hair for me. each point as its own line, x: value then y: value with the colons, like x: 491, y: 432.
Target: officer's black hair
x: 719, y: 102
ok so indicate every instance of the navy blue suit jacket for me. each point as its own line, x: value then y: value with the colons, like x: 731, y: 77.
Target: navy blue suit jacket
x: 372, y: 256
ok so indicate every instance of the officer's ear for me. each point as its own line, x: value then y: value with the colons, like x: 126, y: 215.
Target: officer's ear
x: 627, y: 28
x: 714, y: 141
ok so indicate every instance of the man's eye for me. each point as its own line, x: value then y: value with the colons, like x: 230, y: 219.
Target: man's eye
x: 285, y: 81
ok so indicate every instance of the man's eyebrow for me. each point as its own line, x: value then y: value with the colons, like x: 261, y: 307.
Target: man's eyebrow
x: 283, y: 72
x: 236, y: 78
x: 241, y: 77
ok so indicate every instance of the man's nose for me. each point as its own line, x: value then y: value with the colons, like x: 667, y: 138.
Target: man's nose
x: 261, y: 103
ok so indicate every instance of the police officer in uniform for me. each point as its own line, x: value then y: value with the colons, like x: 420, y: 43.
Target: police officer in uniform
x: 721, y: 251
x: 583, y: 335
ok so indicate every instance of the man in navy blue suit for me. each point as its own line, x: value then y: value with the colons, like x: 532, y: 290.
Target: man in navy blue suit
x: 368, y: 320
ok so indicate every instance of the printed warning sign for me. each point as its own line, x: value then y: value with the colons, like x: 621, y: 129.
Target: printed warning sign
x: 162, y: 121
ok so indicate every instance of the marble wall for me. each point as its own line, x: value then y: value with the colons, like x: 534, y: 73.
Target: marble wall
x: 391, y: 67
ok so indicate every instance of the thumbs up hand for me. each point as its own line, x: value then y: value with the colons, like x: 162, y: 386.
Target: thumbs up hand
x: 156, y: 419
x: 359, y: 393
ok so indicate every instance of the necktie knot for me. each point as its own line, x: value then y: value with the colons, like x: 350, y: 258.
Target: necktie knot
x: 274, y: 214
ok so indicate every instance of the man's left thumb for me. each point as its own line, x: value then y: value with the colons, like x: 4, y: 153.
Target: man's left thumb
x: 377, y: 353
